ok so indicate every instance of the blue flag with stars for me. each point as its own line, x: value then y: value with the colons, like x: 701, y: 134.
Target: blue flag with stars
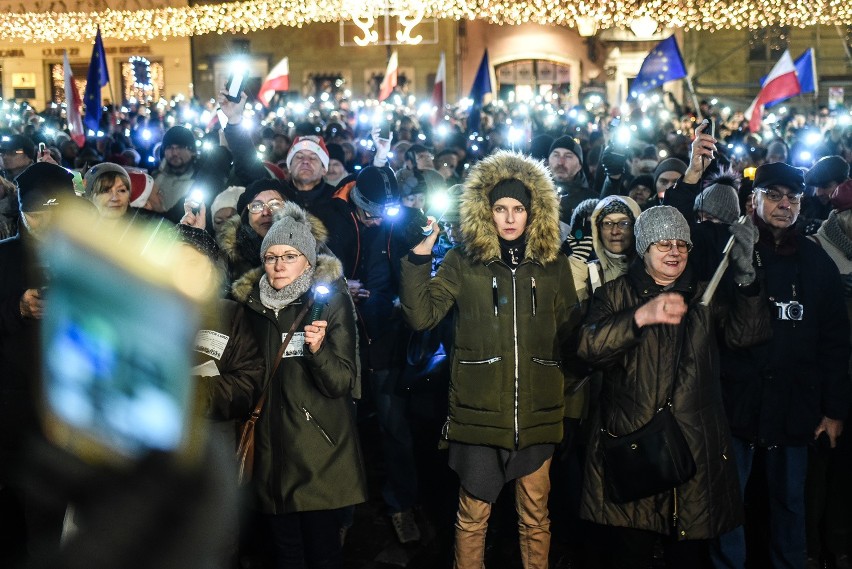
x: 481, y: 87
x: 663, y: 64
x: 97, y: 77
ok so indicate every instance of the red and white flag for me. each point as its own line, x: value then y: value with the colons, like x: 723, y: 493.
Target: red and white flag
x: 439, y: 91
x: 73, y: 103
x: 389, y: 82
x: 781, y: 83
x: 276, y: 80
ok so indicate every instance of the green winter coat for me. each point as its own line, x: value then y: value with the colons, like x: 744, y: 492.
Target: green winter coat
x: 307, y: 453
x: 513, y: 329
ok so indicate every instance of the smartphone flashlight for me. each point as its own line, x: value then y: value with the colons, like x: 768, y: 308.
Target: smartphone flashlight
x: 234, y: 86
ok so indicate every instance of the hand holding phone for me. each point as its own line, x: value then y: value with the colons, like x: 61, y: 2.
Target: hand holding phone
x: 234, y: 86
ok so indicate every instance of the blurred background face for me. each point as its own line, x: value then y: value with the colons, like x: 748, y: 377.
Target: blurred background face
x: 417, y: 200
x: 563, y: 164
x: 616, y: 231
x: 336, y: 171
x: 262, y: 221
x: 640, y: 194
x: 666, y: 181
x: 222, y: 216
x: 111, y: 196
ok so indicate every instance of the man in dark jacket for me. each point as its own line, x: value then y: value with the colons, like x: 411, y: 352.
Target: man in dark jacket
x: 565, y: 162
x: 364, y: 221
x: 42, y: 189
x: 793, y: 390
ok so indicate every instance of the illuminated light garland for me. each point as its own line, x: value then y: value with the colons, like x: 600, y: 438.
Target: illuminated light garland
x: 255, y: 15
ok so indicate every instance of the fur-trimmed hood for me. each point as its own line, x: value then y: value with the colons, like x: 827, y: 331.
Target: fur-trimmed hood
x: 596, y: 234
x: 479, y: 234
x: 328, y: 270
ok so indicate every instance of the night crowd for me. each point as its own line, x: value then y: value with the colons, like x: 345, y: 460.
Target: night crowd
x: 509, y: 290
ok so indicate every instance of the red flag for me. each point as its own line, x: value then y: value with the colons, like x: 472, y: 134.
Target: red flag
x: 439, y: 90
x: 781, y: 83
x: 389, y: 82
x: 276, y: 80
x: 73, y: 102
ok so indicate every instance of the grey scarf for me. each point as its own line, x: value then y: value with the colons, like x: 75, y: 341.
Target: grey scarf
x: 278, y: 299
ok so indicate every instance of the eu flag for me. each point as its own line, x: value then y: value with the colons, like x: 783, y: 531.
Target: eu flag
x: 663, y: 64
x: 481, y: 87
x: 97, y: 77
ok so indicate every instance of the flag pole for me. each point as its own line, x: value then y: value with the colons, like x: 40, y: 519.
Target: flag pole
x: 691, y: 90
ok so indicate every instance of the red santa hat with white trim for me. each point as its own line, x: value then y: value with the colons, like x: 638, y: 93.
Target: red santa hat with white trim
x: 310, y: 142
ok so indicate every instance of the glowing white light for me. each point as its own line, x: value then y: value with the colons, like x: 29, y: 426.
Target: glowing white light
x: 663, y: 153
x: 813, y: 138
x: 805, y: 155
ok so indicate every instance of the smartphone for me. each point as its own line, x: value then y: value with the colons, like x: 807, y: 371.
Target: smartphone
x: 195, y: 199
x: 42, y: 148
x: 384, y: 130
x: 234, y: 86
x: 117, y: 343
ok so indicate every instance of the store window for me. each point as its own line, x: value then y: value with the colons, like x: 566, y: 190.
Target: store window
x: 142, y: 80
x: 524, y: 80
x: 57, y: 80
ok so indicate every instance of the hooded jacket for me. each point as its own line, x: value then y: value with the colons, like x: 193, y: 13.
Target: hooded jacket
x: 513, y: 328
x: 607, y: 266
x: 307, y: 453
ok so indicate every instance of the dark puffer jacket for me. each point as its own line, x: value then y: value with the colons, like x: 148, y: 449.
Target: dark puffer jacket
x: 638, y: 373
x: 307, y: 454
x: 513, y: 328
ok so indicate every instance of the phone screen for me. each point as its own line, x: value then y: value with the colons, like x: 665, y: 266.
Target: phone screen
x: 384, y: 130
x: 234, y: 86
x: 116, y: 352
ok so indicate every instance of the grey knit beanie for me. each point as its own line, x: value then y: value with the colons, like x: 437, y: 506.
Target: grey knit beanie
x: 659, y: 223
x: 720, y: 201
x: 292, y: 228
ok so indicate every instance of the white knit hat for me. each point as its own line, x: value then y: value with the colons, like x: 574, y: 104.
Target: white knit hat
x: 226, y: 198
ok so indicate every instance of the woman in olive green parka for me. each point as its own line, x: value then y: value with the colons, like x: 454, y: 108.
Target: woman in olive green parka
x: 308, y: 461
x: 516, y: 313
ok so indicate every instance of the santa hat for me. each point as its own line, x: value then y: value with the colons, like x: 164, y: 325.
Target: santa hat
x: 313, y: 143
x: 141, y: 186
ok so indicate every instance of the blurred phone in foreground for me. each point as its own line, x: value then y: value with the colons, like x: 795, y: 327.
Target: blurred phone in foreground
x: 120, y: 320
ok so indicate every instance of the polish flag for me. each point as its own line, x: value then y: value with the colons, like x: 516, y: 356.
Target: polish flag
x: 389, y: 82
x: 781, y: 83
x: 276, y: 80
x: 73, y: 102
x: 439, y: 91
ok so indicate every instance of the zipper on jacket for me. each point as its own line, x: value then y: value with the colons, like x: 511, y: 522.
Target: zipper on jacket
x: 532, y: 293
x: 481, y: 362
x: 494, y: 296
x: 550, y: 363
x: 310, y: 419
x: 674, y: 511
x: 515, y: 339
x: 445, y: 430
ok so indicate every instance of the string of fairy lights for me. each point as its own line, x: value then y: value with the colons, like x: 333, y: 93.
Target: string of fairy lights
x: 254, y: 15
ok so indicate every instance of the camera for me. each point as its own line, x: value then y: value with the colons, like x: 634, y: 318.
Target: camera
x: 789, y: 310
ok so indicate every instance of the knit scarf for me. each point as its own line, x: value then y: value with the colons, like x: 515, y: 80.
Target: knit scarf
x: 248, y: 244
x: 278, y: 299
x: 832, y: 231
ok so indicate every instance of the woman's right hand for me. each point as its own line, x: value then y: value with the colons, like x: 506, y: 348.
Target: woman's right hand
x: 425, y: 246
x: 667, y: 308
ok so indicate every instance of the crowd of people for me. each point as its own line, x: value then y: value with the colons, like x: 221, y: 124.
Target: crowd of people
x: 559, y: 274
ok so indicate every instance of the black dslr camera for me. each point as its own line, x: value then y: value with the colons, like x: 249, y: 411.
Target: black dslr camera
x: 789, y: 310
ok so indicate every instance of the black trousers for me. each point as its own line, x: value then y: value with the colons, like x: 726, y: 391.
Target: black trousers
x: 306, y: 540
x: 628, y: 548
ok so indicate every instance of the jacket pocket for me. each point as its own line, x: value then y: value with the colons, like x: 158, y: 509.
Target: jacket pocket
x: 313, y: 421
x: 478, y: 383
x: 547, y: 384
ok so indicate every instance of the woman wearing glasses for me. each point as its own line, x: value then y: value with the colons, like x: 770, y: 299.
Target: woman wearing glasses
x: 650, y: 337
x: 240, y: 237
x: 308, y: 461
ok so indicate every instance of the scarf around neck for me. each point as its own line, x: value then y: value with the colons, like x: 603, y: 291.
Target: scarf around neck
x: 833, y: 232
x: 278, y: 299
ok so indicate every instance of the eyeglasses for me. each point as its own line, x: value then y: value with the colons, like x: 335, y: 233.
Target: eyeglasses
x: 271, y: 205
x: 665, y: 245
x: 10, y: 152
x: 623, y: 225
x: 287, y: 259
x: 776, y: 196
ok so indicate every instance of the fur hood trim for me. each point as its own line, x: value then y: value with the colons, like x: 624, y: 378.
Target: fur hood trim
x: 228, y: 234
x: 479, y: 234
x: 329, y: 269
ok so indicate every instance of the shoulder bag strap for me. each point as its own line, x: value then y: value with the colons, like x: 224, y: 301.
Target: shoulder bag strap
x: 259, y: 407
x: 681, y: 332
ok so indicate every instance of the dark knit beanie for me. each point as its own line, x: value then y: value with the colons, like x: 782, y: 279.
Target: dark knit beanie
x: 826, y: 170
x: 645, y: 180
x: 179, y: 136
x: 719, y: 200
x: 615, y: 205
x: 668, y: 165
x: 335, y: 152
x: 568, y: 143
x: 510, y: 189
x: 374, y: 189
x: 583, y: 210
x: 257, y: 187
x: 44, y: 186
x: 199, y: 240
